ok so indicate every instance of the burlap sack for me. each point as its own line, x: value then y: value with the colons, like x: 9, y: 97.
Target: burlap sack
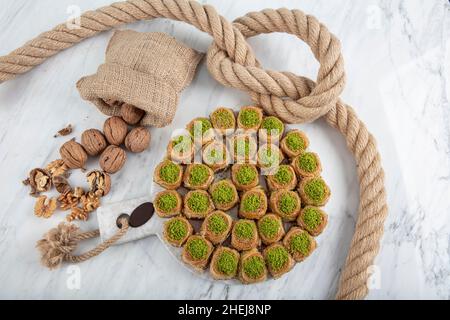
x: 146, y: 70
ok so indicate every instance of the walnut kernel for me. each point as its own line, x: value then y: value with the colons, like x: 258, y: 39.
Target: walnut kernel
x: 45, y: 207
x: 39, y: 181
x: 57, y: 168
x: 99, y: 183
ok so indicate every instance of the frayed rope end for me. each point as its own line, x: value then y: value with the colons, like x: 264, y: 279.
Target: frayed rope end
x: 57, y: 244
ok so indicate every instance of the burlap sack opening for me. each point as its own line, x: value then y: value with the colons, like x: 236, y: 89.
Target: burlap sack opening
x: 146, y: 70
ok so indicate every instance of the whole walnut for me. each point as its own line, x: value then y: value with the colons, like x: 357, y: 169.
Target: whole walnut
x: 138, y: 140
x: 115, y: 130
x: 112, y: 159
x: 93, y: 141
x: 130, y: 114
x: 73, y: 154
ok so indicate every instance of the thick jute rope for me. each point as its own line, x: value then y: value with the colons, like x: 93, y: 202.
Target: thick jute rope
x: 294, y: 99
x: 59, y: 244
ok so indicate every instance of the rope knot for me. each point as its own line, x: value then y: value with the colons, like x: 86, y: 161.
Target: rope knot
x: 57, y: 244
x: 293, y: 98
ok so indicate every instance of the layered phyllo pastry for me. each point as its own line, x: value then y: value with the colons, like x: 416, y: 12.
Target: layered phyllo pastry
x: 196, y: 252
x: 299, y: 244
x: 253, y: 204
x: 201, y: 130
x: 224, y: 263
x: 181, y: 149
x: 168, y: 175
x: 278, y: 260
x: 252, y: 267
x: 244, y: 148
x: 224, y: 194
x: 307, y: 165
x: 314, y: 191
x: 168, y: 204
x: 198, y: 177
x: 250, y: 118
x: 244, y: 176
x: 177, y: 230
x: 269, y: 157
x: 294, y: 143
x: 197, y: 204
x: 270, y: 228
x: 286, y: 204
x: 283, y: 178
x: 312, y: 219
x: 216, y: 227
x: 244, y: 235
x: 224, y: 121
x: 272, y: 129
x: 216, y: 156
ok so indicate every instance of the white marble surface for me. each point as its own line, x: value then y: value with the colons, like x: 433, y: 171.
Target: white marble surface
x: 397, y: 61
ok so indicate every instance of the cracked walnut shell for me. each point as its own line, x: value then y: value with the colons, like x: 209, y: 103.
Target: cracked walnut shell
x: 99, y: 183
x: 45, y: 207
x: 61, y: 184
x: 93, y: 141
x: 138, y: 140
x: 73, y: 154
x: 112, y: 159
x: 115, y: 130
x: 39, y: 181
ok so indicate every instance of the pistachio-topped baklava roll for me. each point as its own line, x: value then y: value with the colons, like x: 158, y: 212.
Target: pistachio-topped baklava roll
x: 307, y: 165
x: 168, y: 204
x: 272, y: 129
x: 224, y: 263
x: 201, y: 130
x: 196, y: 252
x: 216, y: 227
x: 253, y: 204
x: 177, y: 230
x: 216, y: 156
x: 294, y: 143
x: 250, y: 118
x: 278, y: 260
x: 299, y: 243
x: 269, y: 157
x: 168, y: 175
x: 244, y: 235
x: 181, y: 149
x: 313, y: 219
x: 197, y: 204
x: 198, y: 177
x: 270, y: 228
x: 223, y: 120
x: 224, y: 194
x: 286, y: 204
x: 252, y: 267
x: 244, y: 176
x: 283, y: 178
x: 314, y: 191
x: 244, y: 147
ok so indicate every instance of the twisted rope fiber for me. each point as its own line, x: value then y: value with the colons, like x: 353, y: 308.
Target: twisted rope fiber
x: 59, y: 244
x: 294, y: 99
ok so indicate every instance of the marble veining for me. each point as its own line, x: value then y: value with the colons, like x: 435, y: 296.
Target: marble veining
x: 397, y: 63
